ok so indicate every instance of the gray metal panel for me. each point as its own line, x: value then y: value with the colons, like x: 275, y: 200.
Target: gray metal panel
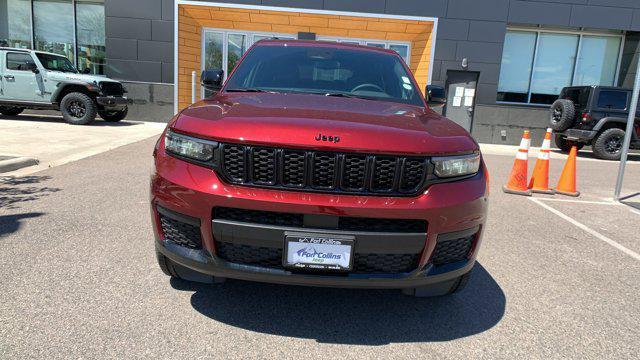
x: 369, y: 6
x: 489, y: 73
x: 490, y: 31
x: 449, y: 65
x: 435, y: 8
x: 496, y: 10
x: 306, y: 4
x: 125, y: 49
x: 445, y: 49
x: 601, y: 17
x: 452, y: 29
x: 162, y: 30
x: 582, y: 2
x: 134, y: 70
x: 128, y: 28
x: 437, y: 65
x: 139, y: 9
x: 487, y: 93
x: 635, y: 22
x: 167, y: 73
x: 620, y: 3
x: 167, y: 10
x: 479, y: 51
x: 155, y: 51
x: 527, y: 12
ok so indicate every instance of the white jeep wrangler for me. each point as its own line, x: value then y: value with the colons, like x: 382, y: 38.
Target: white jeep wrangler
x: 38, y: 80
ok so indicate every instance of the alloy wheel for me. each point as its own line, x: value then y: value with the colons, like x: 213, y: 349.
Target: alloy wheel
x: 613, y: 145
x: 77, y: 109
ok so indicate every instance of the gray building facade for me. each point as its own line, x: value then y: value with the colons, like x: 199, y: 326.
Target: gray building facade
x: 484, y: 37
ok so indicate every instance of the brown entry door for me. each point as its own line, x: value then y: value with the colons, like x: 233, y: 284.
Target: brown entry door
x: 461, y: 97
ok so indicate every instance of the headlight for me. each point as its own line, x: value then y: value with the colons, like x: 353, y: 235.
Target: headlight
x: 451, y: 166
x: 188, y: 147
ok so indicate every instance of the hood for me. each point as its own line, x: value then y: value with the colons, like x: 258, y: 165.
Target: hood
x: 301, y: 121
x: 84, y: 78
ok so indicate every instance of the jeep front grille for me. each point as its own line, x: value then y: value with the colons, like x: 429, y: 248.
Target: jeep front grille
x: 110, y: 88
x: 323, y: 171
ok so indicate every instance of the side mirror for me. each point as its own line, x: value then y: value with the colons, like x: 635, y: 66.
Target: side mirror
x: 86, y: 71
x: 212, y: 79
x: 436, y: 96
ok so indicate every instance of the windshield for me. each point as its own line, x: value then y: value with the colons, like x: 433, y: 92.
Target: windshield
x: 327, y: 71
x: 56, y: 63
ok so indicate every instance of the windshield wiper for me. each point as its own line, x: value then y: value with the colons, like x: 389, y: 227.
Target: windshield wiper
x: 339, y: 94
x: 256, y: 90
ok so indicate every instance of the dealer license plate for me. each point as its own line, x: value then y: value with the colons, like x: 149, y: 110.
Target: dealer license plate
x: 318, y: 251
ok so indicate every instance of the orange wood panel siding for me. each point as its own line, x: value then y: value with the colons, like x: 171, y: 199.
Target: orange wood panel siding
x: 191, y: 20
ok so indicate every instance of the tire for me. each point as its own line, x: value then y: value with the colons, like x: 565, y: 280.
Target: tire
x: 78, y: 108
x: 562, y: 115
x: 176, y: 271
x: 113, y: 116
x: 608, y: 144
x: 166, y: 265
x: 565, y: 145
x: 10, y: 110
x: 441, y: 289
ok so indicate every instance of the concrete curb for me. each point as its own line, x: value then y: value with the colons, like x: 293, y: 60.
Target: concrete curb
x: 16, y: 163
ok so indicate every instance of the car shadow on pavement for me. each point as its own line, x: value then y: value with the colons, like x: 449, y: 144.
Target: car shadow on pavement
x: 16, y: 190
x: 347, y: 316
x: 58, y: 119
x: 11, y: 223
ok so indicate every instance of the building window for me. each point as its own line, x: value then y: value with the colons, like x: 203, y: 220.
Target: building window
x: 72, y: 28
x: 90, y: 34
x: 235, y: 48
x: 53, y: 27
x: 223, y: 49
x: 15, y: 23
x: 536, y: 65
x: 399, y: 47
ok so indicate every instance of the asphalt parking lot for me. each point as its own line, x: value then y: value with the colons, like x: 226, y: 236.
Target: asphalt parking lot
x: 557, y: 277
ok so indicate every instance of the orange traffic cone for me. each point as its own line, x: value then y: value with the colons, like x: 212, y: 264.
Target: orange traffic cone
x: 567, y: 182
x: 517, y: 183
x: 540, y: 178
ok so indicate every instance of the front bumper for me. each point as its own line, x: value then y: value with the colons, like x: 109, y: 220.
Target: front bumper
x: 112, y: 102
x: 194, y: 191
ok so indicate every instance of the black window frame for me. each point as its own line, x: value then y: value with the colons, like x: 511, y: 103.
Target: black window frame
x: 6, y: 59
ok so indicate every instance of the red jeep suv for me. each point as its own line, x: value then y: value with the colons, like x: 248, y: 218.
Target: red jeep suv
x: 320, y: 164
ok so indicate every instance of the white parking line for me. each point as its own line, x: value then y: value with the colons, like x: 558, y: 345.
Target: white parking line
x: 596, y: 234
x: 582, y: 201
